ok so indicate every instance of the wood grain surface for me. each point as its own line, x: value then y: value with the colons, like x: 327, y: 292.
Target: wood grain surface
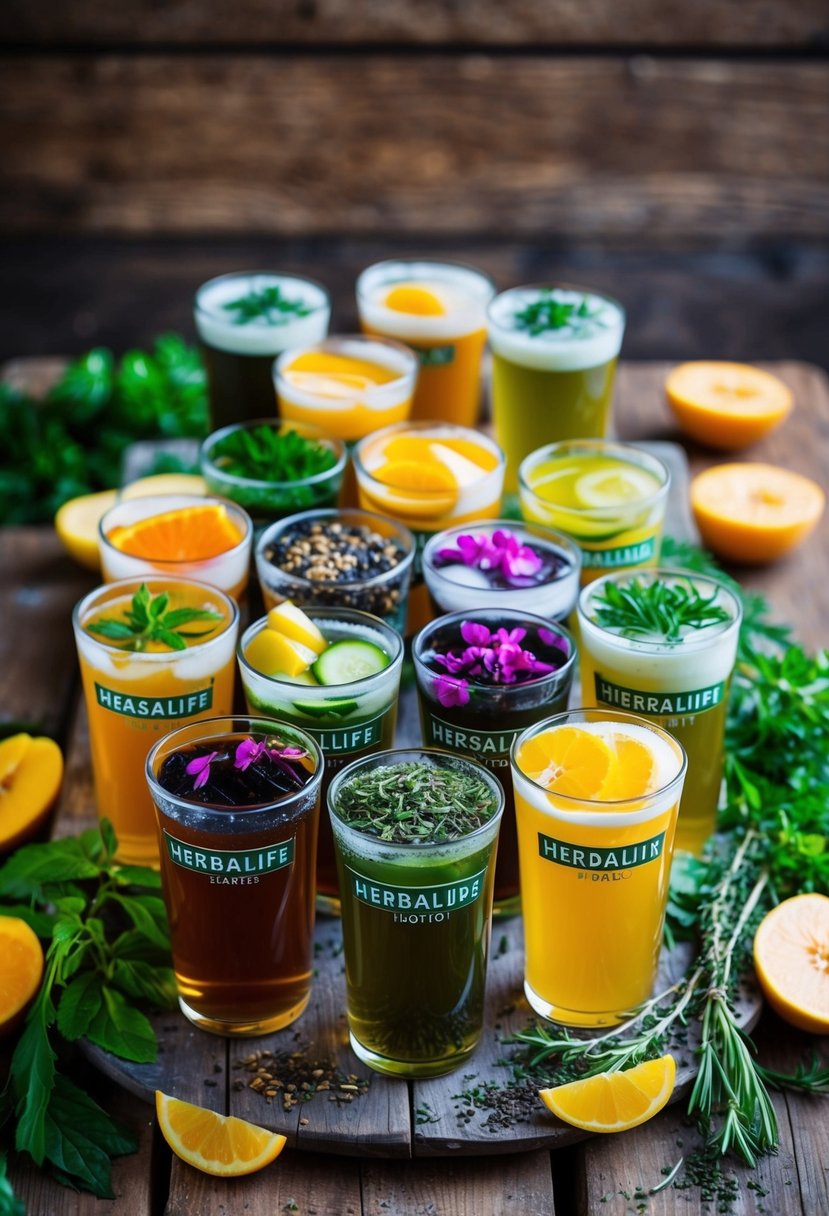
x: 655, y: 151
x: 704, y: 23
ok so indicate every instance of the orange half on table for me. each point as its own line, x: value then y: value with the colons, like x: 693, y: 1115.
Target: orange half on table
x: 754, y: 513
x: 726, y: 405
x: 215, y: 1144
x: 791, y: 957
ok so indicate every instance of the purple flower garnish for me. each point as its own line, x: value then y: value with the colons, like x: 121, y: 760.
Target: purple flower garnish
x: 518, y: 564
x: 451, y: 692
x: 200, y: 769
x: 556, y: 640
x: 248, y: 753
x: 494, y: 658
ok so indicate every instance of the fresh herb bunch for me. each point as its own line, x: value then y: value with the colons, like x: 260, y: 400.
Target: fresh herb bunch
x: 148, y: 620
x: 73, y: 440
x: 773, y: 843
x: 270, y: 304
x: 550, y: 312
x: 108, y: 948
x: 656, y: 609
x: 415, y: 802
x: 266, y: 453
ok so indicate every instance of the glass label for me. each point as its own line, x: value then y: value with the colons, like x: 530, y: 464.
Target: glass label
x: 443, y: 898
x: 678, y: 704
x: 229, y: 862
x: 187, y: 705
x: 588, y: 857
x: 625, y: 555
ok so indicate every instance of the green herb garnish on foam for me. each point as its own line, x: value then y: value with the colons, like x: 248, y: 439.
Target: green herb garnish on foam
x: 148, y: 620
x: 549, y: 312
x: 657, y: 609
x: 264, y: 453
x: 268, y: 304
x: 414, y: 802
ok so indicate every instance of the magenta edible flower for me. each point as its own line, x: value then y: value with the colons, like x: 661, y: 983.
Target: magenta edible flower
x: 200, y: 769
x: 494, y: 658
x: 518, y: 564
x: 451, y: 692
x: 248, y: 753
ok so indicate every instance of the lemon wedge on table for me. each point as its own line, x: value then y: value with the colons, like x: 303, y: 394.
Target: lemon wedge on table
x: 215, y: 1144
x: 614, y: 1101
x: 76, y: 524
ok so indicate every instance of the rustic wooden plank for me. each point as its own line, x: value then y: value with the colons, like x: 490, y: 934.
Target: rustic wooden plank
x: 798, y: 24
x: 796, y: 584
x: 318, y: 1186
x: 38, y: 590
x: 586, y: 147
x: 470, y: 1187
x: 783, y: 1048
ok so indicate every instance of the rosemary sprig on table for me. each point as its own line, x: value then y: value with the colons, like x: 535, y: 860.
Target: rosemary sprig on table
x: 148, y: 620
x: 411, y: 802
x: 550, y: 312
x: 656, y: 609
x: 265, y: 453
x: 268, y: 303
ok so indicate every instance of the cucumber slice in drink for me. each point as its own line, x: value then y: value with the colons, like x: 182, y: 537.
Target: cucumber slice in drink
x: 349, y: 660
x: 331, y: 707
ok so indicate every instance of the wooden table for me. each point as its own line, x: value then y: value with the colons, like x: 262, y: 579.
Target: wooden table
x: 39, y: 687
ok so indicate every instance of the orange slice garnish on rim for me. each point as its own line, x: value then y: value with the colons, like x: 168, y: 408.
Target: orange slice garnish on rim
x: 568, y: 760
x: 185, y: 534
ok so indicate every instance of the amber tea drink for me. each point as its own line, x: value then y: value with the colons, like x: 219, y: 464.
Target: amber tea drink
x: 237, y: 802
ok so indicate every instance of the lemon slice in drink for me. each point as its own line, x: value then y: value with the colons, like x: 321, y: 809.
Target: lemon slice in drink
x: 614, y: 487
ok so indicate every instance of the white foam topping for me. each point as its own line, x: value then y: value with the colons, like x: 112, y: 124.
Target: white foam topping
x: 589, y: 343
x: 463, y: 292
x: 217, y: 326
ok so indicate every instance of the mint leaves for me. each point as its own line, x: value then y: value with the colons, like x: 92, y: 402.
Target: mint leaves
x: 266, y: 453
x: 269, y: 304
x: 148, y: 620
x: 109, y: 950
x: 549, y: 312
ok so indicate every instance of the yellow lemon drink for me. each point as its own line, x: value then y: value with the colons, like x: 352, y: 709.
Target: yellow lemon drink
x: 438, y: 309
x: 609, y: 498
x: 429, y: 476
x: 346, y: 386
x: 554, y: 353
x: 596, y: 799
x: 663, y: 644
x: 139, y: 684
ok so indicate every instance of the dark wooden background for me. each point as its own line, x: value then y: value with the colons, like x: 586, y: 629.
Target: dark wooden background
x: 673, y: 152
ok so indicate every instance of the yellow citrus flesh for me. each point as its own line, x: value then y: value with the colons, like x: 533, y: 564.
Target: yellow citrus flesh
x: 165, y: 483
x: 614, y: 1101
x: 184, y: 534
x: 76, y: 524
x: 791, y: 957
x: 416, y: 300
x: 568, y: 760
x: 213, y: 1143
x: 632, y: 774
x: 286, y: 618
x: 271, y: 653
x: 21, y: 971
x: 327, y: 374
x: 726, y: 405
x: 754, y: 512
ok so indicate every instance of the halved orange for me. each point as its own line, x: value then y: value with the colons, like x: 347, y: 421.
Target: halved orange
x: 183, y: 534
x: 614, y: 1101
x: 568, y: 760
x: 416, y: 300
x: 21, y: 972
x: 726, y: 405
x: 76, y: 524
x: 754, y: 512
x: 791, y: 957
x: 213, y: 1143
x: 633, y: 773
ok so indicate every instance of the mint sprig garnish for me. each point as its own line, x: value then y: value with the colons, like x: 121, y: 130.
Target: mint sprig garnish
x: 269, y: 304
x: 550, y: 312
x: 657, y: 609
x: 265, y: 453
x: 147, y: 620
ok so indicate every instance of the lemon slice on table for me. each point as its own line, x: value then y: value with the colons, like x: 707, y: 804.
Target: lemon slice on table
x: 213, y: 1143
x: 76, y: 524
x: 614, y: 1101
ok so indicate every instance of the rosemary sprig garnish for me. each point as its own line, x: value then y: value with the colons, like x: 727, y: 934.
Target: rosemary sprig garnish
x: 656, y: 609
x: 265, y: 453
x: 148, y: 620
x: 268, y: 303
x: 415, y: 802
x: 550, y: 312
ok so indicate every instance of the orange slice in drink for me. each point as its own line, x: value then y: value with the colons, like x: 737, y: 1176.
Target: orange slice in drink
x: 568, y: 760
x: 633, y: 773
x: 416, y: 447
x: 614, y: 1101
x: 416, y: 300
x: 791, y: 957
x: 213, y: 1143
x: 425, y: 487
x: 726, y: 405
x: 184, y: 534
x: 754, y: 512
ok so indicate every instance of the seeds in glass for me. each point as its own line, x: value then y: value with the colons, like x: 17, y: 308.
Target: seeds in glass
x: 663, y: 644
x: 502, y: 564
x: 244, y: 320
x: 415, y: 834
x: 482, y: 678
x: 345, y: 698
x: 438, y: 309
x: 609, y: 498
x: 139, y: 684
x: 554, y: 353
x: 237, y: 803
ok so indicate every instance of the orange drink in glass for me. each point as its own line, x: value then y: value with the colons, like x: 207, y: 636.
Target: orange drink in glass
x: 596, y: 800
x: 439, y: 309
x: 178, y: 535
x: 137, y: 688
x: 429, y: 476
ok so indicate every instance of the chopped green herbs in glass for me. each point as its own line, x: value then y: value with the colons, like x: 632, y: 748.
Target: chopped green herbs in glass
x: 265, y: 453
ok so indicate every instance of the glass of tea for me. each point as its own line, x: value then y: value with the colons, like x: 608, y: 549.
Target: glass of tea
x: 237, y: 803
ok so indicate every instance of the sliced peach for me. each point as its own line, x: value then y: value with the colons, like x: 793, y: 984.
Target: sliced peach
x: 21, y: 972
x: 31, y: 771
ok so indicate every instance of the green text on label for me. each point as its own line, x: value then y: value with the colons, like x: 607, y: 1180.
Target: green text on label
x: 694, y: 701
x: 445, y: 897
x: 588, y: 857
x: 625, y: 555
x: 187, y: 705
x: 435, y: 356
x: 486, y: 744
x: 229, y: 862
x: 346, y: 738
